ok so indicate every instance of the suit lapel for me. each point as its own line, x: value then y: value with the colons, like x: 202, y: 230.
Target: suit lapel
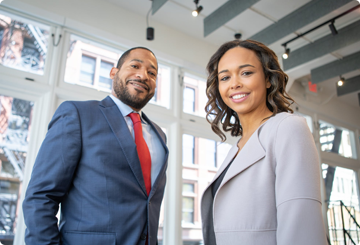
x: 227, y: 161
x: 251, y: 153
x: 120, y: 129
x: 163, y: 167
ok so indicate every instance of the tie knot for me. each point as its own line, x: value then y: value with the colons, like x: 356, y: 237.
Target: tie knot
x: 135, y: 117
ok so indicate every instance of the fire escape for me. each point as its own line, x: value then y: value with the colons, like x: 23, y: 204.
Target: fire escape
x: 344, y: 228
x: 14, y: 128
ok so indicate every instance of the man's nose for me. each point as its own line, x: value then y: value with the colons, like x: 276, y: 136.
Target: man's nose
x: 142, y: 74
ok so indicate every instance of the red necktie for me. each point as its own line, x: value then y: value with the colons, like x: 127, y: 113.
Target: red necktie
x: 142, y: 150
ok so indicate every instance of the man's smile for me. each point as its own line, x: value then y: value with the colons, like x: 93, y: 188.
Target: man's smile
x: 139, y: 84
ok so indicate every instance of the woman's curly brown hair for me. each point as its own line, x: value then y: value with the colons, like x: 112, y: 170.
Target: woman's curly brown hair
x: 277, y: 100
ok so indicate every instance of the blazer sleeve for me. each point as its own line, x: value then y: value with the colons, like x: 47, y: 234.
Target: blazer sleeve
x: 52, y: 176
x: 297, y: 186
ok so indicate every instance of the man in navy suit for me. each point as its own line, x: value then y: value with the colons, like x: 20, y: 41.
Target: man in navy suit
x: 89, y: 165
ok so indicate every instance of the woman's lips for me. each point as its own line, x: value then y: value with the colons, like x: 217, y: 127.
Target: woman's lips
x: 239, y: 97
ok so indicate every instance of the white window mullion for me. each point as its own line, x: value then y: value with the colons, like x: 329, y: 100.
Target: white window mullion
x: 172, y: 233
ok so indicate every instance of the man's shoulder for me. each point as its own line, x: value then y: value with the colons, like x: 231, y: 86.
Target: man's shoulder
x: 70, y: 107
x: 81, y: 104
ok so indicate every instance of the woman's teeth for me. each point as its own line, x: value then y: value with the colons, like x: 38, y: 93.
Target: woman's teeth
x: 239, y: 96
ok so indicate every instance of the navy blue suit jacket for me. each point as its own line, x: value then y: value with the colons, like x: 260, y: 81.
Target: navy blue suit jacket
x: 88, y: 163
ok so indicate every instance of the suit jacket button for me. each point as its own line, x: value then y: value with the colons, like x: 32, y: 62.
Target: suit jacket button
x: 143, y: 237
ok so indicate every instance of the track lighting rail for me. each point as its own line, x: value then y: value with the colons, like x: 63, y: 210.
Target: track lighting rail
x: 331, y: 21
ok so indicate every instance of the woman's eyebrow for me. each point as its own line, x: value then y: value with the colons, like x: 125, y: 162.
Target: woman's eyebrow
x: 240, y: 67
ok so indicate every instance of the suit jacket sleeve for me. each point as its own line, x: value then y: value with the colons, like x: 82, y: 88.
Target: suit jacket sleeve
x: 297, y: 186
x: 52, y: 176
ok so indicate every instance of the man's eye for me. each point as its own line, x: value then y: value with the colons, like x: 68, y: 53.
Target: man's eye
x: 152, y: 73
x: 134, y: 66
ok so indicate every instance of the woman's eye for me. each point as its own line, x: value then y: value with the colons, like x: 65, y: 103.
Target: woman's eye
x: 224, y: 78
x: 247, y: 73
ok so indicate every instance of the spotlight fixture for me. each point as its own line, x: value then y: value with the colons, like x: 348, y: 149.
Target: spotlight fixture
x: 333, y: 28
x: 150, y: 31
x: 237, y: 36
x: 286, y: 53
x: 198, y: 9
x: 341, y: 81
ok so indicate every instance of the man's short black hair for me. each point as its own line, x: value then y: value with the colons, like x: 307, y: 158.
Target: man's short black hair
x: 126, y: 54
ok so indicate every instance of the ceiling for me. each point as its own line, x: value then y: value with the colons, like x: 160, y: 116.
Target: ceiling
x: 260, y: 18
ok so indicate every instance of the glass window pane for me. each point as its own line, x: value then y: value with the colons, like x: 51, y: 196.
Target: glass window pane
x: 188, y: 210
x: 209, y: 155
x: 341, y: 185
x: 162, y: 210
x: 15, y: 124
x: 88, y: 63
x: 87, y: 69
x: 189, y: 100
x: 188, y: 188
x: 188, y: 149
x: 161, y: 223
x: 104, y: 79
x: 162, y: 92
x: 337, y: 140
x: 23, y: 43
x: 222, y: 151
x: 194, y: 99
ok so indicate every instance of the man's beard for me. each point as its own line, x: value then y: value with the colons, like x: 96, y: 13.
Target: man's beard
x: 122, y: 92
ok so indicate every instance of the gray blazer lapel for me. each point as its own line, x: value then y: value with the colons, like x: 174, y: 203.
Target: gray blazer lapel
x: 227, y: 161
x: 162, y: 139
x: 120, y: 129
x: 251, y: 153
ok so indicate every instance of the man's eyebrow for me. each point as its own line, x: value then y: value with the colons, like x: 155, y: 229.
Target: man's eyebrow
x: 140, y: 61
x: 137, y: 60
x: 240, y: 67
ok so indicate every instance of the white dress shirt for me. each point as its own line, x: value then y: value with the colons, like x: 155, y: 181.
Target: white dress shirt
x: 157, y: 151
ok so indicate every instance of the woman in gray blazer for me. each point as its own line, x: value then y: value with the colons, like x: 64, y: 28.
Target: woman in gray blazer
x: 267, y: 191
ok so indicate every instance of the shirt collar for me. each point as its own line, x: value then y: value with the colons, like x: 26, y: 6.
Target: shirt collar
x: 124, y: 108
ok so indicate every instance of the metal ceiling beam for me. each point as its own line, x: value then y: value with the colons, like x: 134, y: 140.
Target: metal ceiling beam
x: 336, y: 68
x: 351, y: 85
x: 297, y: 19
x: 225, y: 13
x: 325, y: 45
x: 156, y: 5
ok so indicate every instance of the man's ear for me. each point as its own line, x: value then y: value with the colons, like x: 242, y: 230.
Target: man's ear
x: 113, y: 72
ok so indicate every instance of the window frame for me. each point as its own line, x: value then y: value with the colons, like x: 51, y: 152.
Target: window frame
x: 25, y: 75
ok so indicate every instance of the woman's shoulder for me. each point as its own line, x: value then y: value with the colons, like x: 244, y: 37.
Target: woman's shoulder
x: 289, y: 125
x: 286, y: 118
x: 285, y: 122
